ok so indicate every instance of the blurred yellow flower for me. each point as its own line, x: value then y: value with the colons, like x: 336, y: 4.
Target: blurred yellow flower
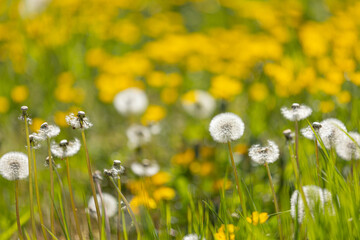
x: 59, y: 118
x: 257, y: 218
x: 153, y: 113
x: 258, y: 92
x: 327, y: 106
x: 4, y: 104
x: 184, y: 158
x: 169, y: 95
x: 221, y: 233
x: 160, y: 178
x: 142, y: 200
x: 189, y: 97
x: 219, y: 184
x: 19, y: 93
x: 95, y: 57
x: 343, y: 97
x: 225, y: 87
x: 241, y: 148
x: 164, y: 193
x: 156, y: 79
x: 201, y: 168
x: 36, y: 123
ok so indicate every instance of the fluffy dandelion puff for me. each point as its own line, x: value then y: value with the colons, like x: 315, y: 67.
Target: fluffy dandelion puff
x: 260, y: 155
x: 315, y: 197
x: 65, y: 148
x: 226, y: 127
x: 24, y: 113
x: 331, y: 132
x: 110, y: 205
x: 34, y: 141
x: 47, y: 131
x: 138, y: 135
x: 80, y: 121
x: 14, y: 166
x: 296, y: 112
x: 348, y: 149
x: 146, y: 168
x: 192, y: 236
x: 199, y: 104
x: 309, y: 133
x: 116, y: 171
x: 131, y: 101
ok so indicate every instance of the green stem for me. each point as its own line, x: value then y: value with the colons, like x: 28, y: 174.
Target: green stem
x: 51, y: 188
x: 275, y: 200
x: 239, y: 189
x: 107, y: 223
x: 119, y: 212
x: 297, y: 145
x: 92, y: 181
x: 38, y: 197
x: 317, y: 163
x: 72, y: 199
x: 17, y: 209
x: 128, y: 207
x: 31, y: 194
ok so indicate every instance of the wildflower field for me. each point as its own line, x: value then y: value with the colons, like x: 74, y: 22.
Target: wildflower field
x: 179, y: 119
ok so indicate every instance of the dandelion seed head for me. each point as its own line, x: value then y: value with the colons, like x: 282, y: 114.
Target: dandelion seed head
x: 65, y: 148
x: 138, y: 135
x: 24, y: 113
x: 226, y: 127
x: 14, y: 166
x: 146, y: 168
x: 315, y: 196
x: 289, y: 135
x: 202, y: 106
x: 80, y: 121
x: 34, y: 141
x: 192, y: 236
x: 331, y: 133
x: 110, y: 205
x: 131, y: 101
x: 47, y: 131
x: 347, y: 149
x: 296, y: 112
x: 269, y: 153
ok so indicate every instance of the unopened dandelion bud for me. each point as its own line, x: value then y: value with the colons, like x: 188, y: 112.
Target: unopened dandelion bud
x: 97, y: 176
x: 117, y: 164
x: 24, y: 110
x: 289, y: 135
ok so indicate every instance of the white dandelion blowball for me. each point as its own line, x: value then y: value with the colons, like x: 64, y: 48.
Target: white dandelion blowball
x: 199, y: 104
x: 131, y: 101
x: 146, y: 168
x: 14, y: 166
x: 308, y: 132
x: 348, y: 148
x: 226, y: 127
x: 47, y: 131
x: 138, y: 135
x: 296, y: 112
x: 315, y: 196
x: 65, y: 148
x: 269, y: 153
x: 192, y: 236
x: 332, y: 132
x: 80, y: 121
x: 110, y: 205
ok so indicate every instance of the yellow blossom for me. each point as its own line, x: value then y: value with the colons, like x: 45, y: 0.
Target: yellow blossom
x: 169, y: 95
x: 160, y: 178
x: 219, y: 184
x: 153, y: 113
x: 19, y: 93
x: 221, y: 233
x: 142, y: 200
x: 36, y: 123
x: 184, y: 158
x: 327, y: 106
x: 343, y: 97
x: 59, y: 118
x: 258, y: 92
x: 257, y: 218
x: 164, y: 193
x: 4, y: 104
x: 225, y: 87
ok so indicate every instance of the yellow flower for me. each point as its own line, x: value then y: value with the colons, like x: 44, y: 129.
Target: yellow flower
x: 189, y: 97
x: 4, y: 104
x: 241, y: 148
x: 184, y: 158
x: 36, y: 123
x: 169, y: 95
x: 343, y: 97
x: 225, y: 87
x: 59, y: 118
x: 95, y: 57
x: 142, y: 200
x: 19, y: 93
x: 219, y: 184
x: 257, y: 218
x: 160, y: 178
x: 164, y: 193
x: 258, y: 92
x: 221, y: 233
x: 153, y: 113
x: 327, y: 106
x: 156, y: 79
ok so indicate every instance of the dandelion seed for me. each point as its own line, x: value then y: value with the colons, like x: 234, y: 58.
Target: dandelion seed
x: 47, y: 131
x: 226, y: 127
x: 14, y: 166
x: 347, y: 149
x: 331, y: 133
x: 138, y: 135
x: 110, y: 205
x: 131, y: 101
x: 146, y: 168
x: 80, y: 121
x: 296, y: 112
x: 308, y: 132
x: 260, y: 155
x: 65, y: 148
x: 315, y: 196
x: 199, y: 104
x: 192, y: 236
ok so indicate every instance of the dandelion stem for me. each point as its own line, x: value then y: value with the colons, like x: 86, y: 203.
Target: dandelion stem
x: 317, y: 162
x: 297, y: 145
x: 119, y: 212
x: 107, y: 223
x: 38, y: 197
x: 31, y: 194
x: 128, y: 207
x: 51, y: 188
x: 239, y: 189
x: 91, y: 181
x: 17, y: 209
x: 275, y: 200
x: 72, y: 199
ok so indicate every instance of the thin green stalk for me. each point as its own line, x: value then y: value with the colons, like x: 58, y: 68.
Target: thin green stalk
x: 91, y: 181
x: 38, y: 197
x: 297, y: 145
x: 237, y: 180
x: 107, y: 223
x: 17, y: 209
x: 72, y: 199
x: 317, y: 162
x: 124, y: 225
x: 128, y: 207
x: 31, y: 194
x: 51, y: 188
x: 275, y: 200
x: 119, y: 211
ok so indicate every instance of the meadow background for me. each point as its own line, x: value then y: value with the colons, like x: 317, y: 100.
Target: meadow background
x: 253, y: 57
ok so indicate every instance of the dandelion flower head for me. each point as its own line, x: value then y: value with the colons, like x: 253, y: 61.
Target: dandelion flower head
x: 296, y: 112
x: 199, y: 104
x: 331, y: 132
x: 131, y: 101
x: 24, y: 113
x: 116, y: 170
x: 146, y: 168
x: 138, y: 135
x: 47, y: 131
x: 80, y: 121
x: 65, y: 148
x: 110, y: 205
x: 14, y: 166
x: 308, y: 132
x: 349, y: 148
x: 192, y: 236
x: 226, y: 127
x: 269, y: 153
